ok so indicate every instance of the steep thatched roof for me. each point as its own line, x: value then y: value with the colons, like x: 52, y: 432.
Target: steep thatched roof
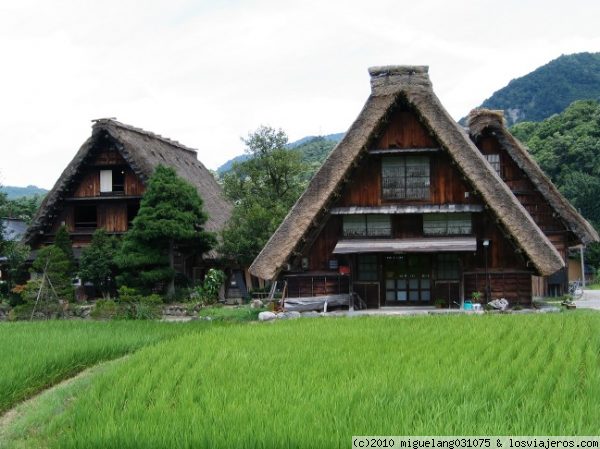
x: 485, y: 120
x: 410, y: 84
x: 144, y: 151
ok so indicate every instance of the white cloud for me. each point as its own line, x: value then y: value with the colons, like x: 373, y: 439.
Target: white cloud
x: 206, y: 73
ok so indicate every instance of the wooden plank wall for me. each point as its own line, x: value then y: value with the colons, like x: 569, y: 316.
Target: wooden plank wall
x: 321, y: 250
x: 113, y: 216
x: 523, y: 188
x: 539, y: 286
x: 512, y: 285
x: 405, y: 131
x: 447, y: 185
x: 133, y: 185
x: 89, y: 186
x: 501, y: 252
x: 107, y: 156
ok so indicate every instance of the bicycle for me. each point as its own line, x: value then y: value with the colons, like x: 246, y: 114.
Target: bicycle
x: 575, y: 289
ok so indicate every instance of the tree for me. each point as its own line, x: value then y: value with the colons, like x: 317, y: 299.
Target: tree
x: 263, y: 188
x: 3, y: 201
x: 23, y: 208
x: 170, y: 218
x: 63, y: 242
x: 16, y: 254
x: 97, y: 264
x: 53, y: 261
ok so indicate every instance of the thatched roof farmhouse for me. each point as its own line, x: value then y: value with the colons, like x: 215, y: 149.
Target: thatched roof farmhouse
x: 402, y: 136
x: 103, y: 185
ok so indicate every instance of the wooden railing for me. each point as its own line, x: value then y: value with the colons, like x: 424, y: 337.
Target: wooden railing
x: 299, y: 286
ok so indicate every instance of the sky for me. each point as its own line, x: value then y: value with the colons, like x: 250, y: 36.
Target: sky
x: 207, y: 73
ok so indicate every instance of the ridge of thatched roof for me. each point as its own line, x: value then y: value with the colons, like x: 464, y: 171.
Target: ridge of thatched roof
x: 143, y: 151
x: 390, y: 84
x: 481, y: 120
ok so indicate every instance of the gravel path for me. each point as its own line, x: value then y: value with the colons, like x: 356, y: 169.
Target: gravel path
x: 590, y: 300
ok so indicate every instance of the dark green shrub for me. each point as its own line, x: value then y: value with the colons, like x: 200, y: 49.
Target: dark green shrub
x: 106, y: 309
x: 20, y: 312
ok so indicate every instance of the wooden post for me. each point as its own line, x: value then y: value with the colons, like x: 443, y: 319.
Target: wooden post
x: 582, y: 267
x: 171, y: 287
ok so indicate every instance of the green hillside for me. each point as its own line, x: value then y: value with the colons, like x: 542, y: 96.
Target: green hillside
x: 549, y: 89
x: 313, y: 152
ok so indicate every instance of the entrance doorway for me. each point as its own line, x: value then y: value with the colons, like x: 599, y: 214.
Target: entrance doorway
x: 407, y: 279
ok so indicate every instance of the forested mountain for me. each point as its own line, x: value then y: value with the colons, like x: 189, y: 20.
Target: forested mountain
x: 13, y: 192
x: 20, y: 202
x: 549, y: 89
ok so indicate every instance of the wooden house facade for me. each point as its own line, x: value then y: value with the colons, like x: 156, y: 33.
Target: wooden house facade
x: 408, y: 211
x: 103, y: 185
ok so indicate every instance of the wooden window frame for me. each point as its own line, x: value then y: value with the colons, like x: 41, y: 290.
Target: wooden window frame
x: 416, y: 283
x: 84, y: 225
x: 367, y: 226
x: 373, y: 264
x: 495, y: 161
x: 447, y: 224
x: 447, y: 263
x: 119, y: 174
x: 403, y: 185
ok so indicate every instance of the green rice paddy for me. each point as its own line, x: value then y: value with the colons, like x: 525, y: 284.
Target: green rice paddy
x: 39, y: 354
x: 316, y: 382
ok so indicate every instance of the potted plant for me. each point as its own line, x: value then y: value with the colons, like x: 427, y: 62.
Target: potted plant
x: 439, y: 303
x: 476, y: 301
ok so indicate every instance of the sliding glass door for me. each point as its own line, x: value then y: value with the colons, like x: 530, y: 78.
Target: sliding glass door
x: 407, y: 279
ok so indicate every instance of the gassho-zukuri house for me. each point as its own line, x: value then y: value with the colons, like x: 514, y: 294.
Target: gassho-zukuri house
x: 103, y: 185
x: 410, y: 208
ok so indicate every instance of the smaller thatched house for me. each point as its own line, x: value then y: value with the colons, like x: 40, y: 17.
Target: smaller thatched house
x: 407, y: 211
x: 104, y: 183
x: 551, y: 211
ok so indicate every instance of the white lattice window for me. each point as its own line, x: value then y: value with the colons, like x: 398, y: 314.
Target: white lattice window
x: 405, y: 177
x: 494, y: 160
x: 447, y: 224
x: 367, y: 226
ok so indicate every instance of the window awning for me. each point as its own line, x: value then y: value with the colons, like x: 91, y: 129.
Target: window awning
x: 428, y: 245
